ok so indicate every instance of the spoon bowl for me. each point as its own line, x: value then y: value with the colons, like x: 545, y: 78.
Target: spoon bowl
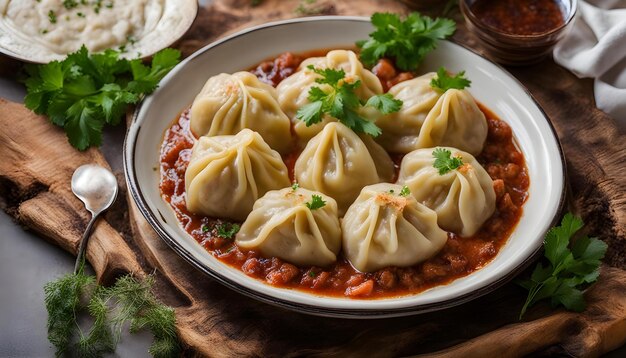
x: 97, y: 188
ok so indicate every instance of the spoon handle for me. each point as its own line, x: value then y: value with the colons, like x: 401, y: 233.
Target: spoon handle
x: 83, y: 242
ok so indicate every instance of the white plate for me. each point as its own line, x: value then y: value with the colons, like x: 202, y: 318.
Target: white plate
x: 491, y: 85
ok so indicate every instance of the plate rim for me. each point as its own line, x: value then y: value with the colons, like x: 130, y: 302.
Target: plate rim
x: 139, y: 200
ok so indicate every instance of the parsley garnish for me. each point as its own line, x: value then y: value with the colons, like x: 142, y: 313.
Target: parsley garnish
x: 69, y: 4
x: 83, y: 92
x: 405, y: 191
x: 295, y: 186
x: 128, y: 301
x: 444, y: 82
x: 569, y: 268
x: 341, y: 102
x: 227, y: 230
x: 444, y: 162
x: 316, y: 202
x: 405, y: 41
x: 205, y: 228
x: 52, y: 17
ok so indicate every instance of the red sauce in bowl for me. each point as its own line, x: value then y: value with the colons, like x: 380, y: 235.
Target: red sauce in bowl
x: 459, y: 257
x: 520, y: 17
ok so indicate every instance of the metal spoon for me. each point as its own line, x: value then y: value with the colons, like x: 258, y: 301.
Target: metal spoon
x: 97, y: 188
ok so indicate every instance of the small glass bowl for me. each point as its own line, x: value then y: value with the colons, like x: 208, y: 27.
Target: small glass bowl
x: 517, y: 50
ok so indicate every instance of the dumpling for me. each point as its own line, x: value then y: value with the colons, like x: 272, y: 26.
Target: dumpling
x: 429, y: 118
x: 281, y: 225
x: 227, y: 174
x: 463, y: 198
x: 383, y: 228
x: 401, y: 129
x: 228, y: 103
x: 339, y: 163
x: 293, y: 91
x: 455, y: 121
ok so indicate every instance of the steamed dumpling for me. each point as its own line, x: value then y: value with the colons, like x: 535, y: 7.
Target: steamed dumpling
x: 337, y: 162
x: 463, y: 198
x: 400, y: 129
x: 293, y: 91
x: 455, y: 121
x: 227, y: 174
x: 228, y: 103
x: 429, y: 118
x: 383, y: 228
x: 281, y: 225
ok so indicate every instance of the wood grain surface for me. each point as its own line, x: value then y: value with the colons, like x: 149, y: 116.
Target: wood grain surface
x: 214, y: 321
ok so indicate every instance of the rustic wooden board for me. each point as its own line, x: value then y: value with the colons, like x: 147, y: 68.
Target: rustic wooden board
x: 215, y: 321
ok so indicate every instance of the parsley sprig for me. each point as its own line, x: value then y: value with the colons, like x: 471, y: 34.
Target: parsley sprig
x: 316, y: 202
x: 84, y: 92
x: 445, y: 162
x: 338, y: 99
x: 407, y: 42
x: 405, y: 191
x: 128, y: 301
x: 444, y: 82
x: 227, y: 230
x: 572, y: 264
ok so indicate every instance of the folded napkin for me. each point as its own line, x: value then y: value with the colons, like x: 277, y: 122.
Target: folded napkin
x: 596, y: 48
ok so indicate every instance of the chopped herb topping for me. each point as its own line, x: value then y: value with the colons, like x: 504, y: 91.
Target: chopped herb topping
x: 70, y: 4
x: 52, y: 17
x: 295, y: 186
x: 444, y: 162
x: 227, y: 230
x: 316, y: 202
x: 205, y: 228
x: 312, y: 274
x: 340, y: 101
x: 405, y: 191
x: 444, y: 82
x: 80, y: 14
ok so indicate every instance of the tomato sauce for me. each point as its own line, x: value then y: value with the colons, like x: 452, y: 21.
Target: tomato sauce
x: 520, y: 17
x: 459, y: 257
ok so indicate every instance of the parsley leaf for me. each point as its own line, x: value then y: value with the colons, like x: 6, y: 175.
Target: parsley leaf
x: 295, y: 186
x: 338, y: 99
x: 444, y: 82
x: 384, y: 103
x: 406, y: 41
x: 227, y: 230
x: 84, y: 92
x: 405, y: 191
x: 316, y: 202
x: 571, y: 264
x: 444, y: 162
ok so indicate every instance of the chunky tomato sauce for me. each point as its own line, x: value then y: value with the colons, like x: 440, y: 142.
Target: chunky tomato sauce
x: 459, y: 257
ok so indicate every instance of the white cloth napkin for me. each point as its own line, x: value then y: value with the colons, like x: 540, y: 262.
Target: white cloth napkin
x: 596, y: 48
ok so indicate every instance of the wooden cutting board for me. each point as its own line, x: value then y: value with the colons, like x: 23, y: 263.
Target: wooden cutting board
x: 212, y: 320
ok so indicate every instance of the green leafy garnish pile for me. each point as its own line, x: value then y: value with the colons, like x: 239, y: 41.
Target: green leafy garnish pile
x: 340, y: 101
x: 445, y: 162
x: 227, y: 230
x: 407, y: 42
x: 444, y: 82
x: 316, y: 202
x: 84, y: 92
x: 128, y: 301
x: 405, y: 191
x: 572, y: 265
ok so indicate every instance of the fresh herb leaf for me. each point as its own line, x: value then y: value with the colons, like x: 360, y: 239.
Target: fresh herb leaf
x: 52, y: 17
x: 572, y: 264
x: 407, y: 42
x: 227, y: 230
x: 129, y: 300
x: 205, y: 228
x: 384, y: 103
x: 295, y: 186
x: 405, y: 191
x: 444, y: 162
x: 338, y: 99
x: 444, y: 82
x: 316, y: 202
x: 83, y: 92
